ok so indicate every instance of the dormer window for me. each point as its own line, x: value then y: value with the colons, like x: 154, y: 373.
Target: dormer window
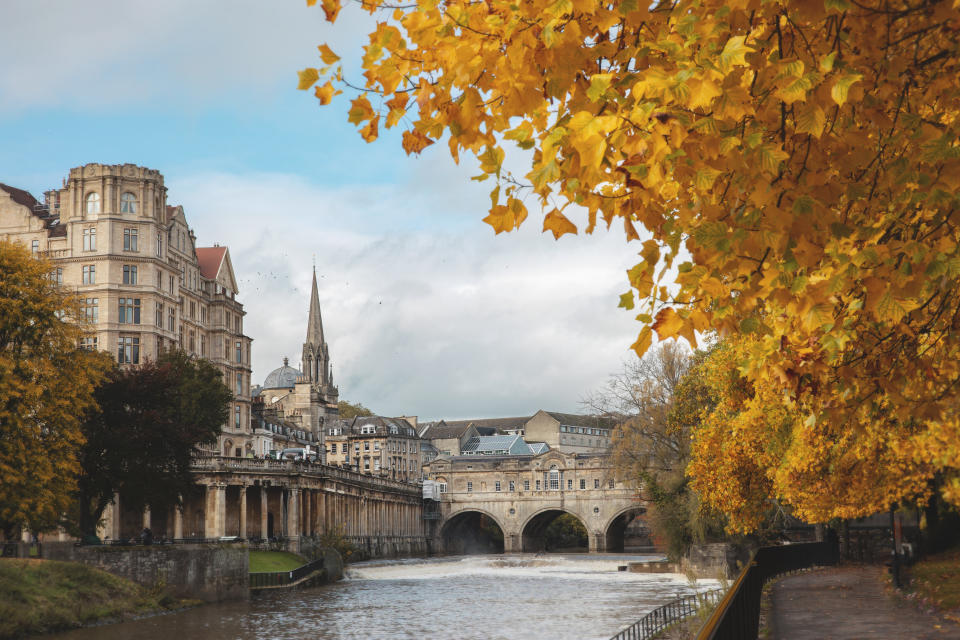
x: 93, y: 202
x: 128, y: 203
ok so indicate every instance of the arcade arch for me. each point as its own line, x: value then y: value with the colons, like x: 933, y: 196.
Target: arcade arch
x: 471, y: 532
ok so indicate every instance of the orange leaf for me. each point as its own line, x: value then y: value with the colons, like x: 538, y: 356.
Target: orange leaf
x: 328, y: 56
x: 415, y: 142
x: 369, y: 132
x: 330, y: 8
x: 667, y: 324
x: 325, y: 93
x: 558, y: 223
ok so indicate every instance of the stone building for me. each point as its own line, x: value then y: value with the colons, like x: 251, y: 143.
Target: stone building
x: 375, y: 445
x: 144, y: 284
x: 307, y: 398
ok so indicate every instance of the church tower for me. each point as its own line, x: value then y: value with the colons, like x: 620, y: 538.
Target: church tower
x: 316, y: 355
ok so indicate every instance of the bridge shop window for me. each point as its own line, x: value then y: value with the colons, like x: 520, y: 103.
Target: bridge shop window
x: 554, y: 478
x: 497, y: 486
x: 538, y: 485
x: 583, y: 483
x: 469, y: 487
x: 513, y: 486
x: 569, y: 484
x: 526, y: 485
x: 596, y: 483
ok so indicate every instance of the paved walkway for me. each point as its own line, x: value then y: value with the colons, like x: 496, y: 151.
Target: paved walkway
x: 847, y: 603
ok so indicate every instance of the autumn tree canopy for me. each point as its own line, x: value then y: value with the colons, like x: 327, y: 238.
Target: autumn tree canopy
x: 46, y: 383
x: 789, y: 170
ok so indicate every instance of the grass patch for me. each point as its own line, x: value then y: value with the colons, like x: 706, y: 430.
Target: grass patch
x: 936, y: 579
x: 271, y: 561
x: 42, y: 596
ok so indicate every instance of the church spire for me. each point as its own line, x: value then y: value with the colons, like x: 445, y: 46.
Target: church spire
x: 314, y: 323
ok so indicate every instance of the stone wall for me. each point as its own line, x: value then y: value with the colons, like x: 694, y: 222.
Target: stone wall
x: 712, y: 560
x: 205, y: 572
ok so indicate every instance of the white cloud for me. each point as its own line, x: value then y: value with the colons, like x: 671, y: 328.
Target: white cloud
x: 446, y: 322
x: 179, y: 52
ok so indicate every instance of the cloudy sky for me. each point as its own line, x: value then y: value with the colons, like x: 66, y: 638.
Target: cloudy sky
x: 426, y: 312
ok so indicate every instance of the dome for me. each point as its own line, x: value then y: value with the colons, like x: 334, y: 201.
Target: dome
x: 284, y: 377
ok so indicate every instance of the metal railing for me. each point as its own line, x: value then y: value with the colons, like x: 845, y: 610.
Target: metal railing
x: 668, y: 614
x: 737, y: 617
x: 283, y: 578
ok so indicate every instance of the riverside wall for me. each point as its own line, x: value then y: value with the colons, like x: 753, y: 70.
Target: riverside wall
x: 208, y: 572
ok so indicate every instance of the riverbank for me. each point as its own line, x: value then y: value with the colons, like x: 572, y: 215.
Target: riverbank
x: 43, y: 596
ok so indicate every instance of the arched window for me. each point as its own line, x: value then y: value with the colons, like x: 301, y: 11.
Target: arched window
x: 554, y: 478
x: 93, y: 202
x: 128, y: 203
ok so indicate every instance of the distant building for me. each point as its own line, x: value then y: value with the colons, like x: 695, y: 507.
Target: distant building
x: 567, y: 432
x: 502, y: 445
x: 306, y: 399
x: 375, y: 445
x: 143, y: 283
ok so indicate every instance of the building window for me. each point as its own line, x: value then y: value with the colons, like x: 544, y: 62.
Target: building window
x: 193, y: 309
x: 203, y: 345
x: 469, y: 487
x: 129, y: 274
x: 239, y: 352
x: 376, y: 464
x: 128, y: 350
x: 443, y: 487
x: 129, y: 311
x: 171, y: 319
x: 128, y: 203
x: 583, y: 483
x: 526, y: 485
x: 57, y: 275
x: 239, y: 384
x: 496, y: 486
x: 538, y: 485
x: 90, y: 239
x: 159, y: 245
x: 610, y: 484
x: 90, y: 309
x: 130, y: 240
x: 596, y: 483
x: 554, y: 477
x: 90, y: 344
x: 569, y: 484
x: 93, y: 202
x: 192, y: 342
x: 89, y: 274
x: 376, y: 446
x: 171, y: 284
x: 35, y: 247
x: 343, y: 447
x: 236, y: 416
x: 366, y: 446
x: 159, y: 317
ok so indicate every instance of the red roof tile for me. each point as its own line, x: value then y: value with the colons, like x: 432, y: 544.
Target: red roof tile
x: 210, y: 259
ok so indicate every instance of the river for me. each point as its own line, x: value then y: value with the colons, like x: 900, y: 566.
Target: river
x: 477, y: 597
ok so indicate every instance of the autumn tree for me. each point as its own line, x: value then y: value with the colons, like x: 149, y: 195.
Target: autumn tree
x: 142, y: 437
x: 46, y: 383
x: 348, y: 410
x: 789, y: 170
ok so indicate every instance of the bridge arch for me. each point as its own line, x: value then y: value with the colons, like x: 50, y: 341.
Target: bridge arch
x: 472, y: 530
x: 616, y: 526
x: 533, y: 529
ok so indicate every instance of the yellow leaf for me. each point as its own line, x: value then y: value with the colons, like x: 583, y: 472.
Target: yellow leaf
x: 667, y: 324
x: 841, y: 87
x: 643, y: 342
x: 558, y: 224
x: 330, y: 9
x: 308, y: 77
x: 811, y: 119
x: 702, y: 93
x: 328, y: 56
x: 369, y: 133
x: 325, y: 92
x: 734, y: 53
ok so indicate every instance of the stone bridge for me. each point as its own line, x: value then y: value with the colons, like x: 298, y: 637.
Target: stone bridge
x: 522, y: 495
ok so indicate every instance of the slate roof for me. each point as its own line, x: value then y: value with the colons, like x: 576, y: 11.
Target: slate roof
x: 498, y: 424
x: 576, y: 420
x: 501, y: 445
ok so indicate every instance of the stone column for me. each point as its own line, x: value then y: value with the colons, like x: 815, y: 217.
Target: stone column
x: 597, y: 542
x: 293, y: 513
x: 308, y: 499
x: 243, y: 511
x: 178, y: 522
x: 146, y: 517
x: 216, y: 511
x: 263, y: 512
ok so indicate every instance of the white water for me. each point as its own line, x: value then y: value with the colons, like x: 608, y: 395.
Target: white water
x: 491, y: 597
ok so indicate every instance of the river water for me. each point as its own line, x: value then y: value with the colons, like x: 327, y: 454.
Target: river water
x: 477, y: 597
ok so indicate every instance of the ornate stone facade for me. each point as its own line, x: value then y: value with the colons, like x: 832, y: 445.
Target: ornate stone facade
x: 144, y: 284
